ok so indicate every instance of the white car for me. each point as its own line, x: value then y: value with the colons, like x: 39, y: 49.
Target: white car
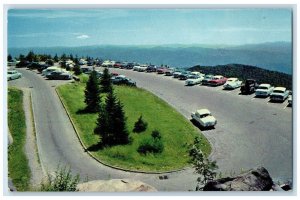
x: 232, y: 83
x: 49, y: 70
x: 13, y: 74
x: 107, y: 63
x: 136, y: 67
x: 279, y: 94
x: 142, y: 68
x: 204, y: 118
x: 264, y: 90
x: 194, y: 80
x: 290, y: 100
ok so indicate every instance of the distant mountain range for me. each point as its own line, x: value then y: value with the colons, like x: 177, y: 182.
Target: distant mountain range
x: 275, y: 56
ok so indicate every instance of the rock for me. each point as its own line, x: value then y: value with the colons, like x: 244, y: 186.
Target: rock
x: 115, y: 185
x: 253, y: 180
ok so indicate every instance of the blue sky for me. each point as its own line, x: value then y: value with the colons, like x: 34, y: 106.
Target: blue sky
x: 77, y: 27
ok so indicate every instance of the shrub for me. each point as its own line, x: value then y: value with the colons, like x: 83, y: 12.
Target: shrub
x: 62, y: 180
x: 140, y: 125
x: 151, y: 145
x: 77, y: 70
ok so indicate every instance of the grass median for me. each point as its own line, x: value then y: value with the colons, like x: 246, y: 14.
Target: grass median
x: 177, y: 132
x: 18, y: 166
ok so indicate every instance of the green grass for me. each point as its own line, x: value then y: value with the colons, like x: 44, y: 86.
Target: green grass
x: 18, y: 167
x: 177, y: 132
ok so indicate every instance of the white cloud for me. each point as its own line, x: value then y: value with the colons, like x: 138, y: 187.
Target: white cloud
x: 83, y: 37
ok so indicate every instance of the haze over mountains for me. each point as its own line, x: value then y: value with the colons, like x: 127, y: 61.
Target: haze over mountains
x: 275, y: 56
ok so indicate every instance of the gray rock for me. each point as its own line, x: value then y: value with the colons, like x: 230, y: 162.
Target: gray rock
x: 115, y: 185
x: 253, y: 180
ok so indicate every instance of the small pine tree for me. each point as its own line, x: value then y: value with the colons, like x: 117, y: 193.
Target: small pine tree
x: 55, y: 58
x: 105, y: 81
x: 9, y: 58
x: 111, y: 122
x: 92, y: 93
x: 203, y: 166
x: 77, y: 70
x: 140, y: 125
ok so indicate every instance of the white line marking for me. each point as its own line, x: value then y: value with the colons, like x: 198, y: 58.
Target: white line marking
x: 252, y: 98
x: 285, y: 106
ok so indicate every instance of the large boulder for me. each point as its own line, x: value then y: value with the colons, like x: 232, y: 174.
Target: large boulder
x: 115, y: 185
x: 254, y: 180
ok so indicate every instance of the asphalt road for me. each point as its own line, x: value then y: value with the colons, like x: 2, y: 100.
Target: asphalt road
x: 58, y: 144
x: 250, y: 132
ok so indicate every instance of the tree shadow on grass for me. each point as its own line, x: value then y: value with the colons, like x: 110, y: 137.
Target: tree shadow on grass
x: 95, y: 147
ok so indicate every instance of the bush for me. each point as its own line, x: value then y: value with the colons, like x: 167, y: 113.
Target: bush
x: 140, y: 125
x: 63, y: 180
x: 77, y: 70
x: 151, y: 145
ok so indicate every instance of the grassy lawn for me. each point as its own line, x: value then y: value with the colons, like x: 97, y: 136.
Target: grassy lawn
x: 177, y: 132
x: 18, y: 167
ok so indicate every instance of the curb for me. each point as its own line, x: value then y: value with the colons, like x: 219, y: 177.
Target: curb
x: 100, y: 161
x: 35, y: 135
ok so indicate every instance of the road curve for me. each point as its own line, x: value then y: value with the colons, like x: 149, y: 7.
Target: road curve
x: 58, y: 144
x: 250, y: 132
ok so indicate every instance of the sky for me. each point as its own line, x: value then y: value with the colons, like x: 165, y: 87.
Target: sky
x: 83, y: 27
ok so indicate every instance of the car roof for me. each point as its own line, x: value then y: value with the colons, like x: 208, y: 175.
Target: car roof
x: 203, y: 111
x: 280, y: 88
x: 232, y: 79
x: 218, y: 76
x: 265, y: 85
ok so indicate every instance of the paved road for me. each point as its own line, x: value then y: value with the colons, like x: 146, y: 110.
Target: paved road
x: 58, y: 144
x: 250, y: 131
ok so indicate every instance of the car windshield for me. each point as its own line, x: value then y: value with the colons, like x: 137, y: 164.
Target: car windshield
x: 216, y: 78
x: 263, y: 88
x: 278, y: 91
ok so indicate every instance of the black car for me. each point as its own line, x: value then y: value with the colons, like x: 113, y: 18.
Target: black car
x: 122, y: 80
x: 22, y: 63
x: 249, y: 86
x: 56, y: 75
x: 129, y: 66
x: 151, y: 68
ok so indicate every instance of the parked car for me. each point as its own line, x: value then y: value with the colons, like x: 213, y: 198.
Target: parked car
x: 49, y: 70
x: 22, y: 63
x: 142, y: 68
x: 136, y: 67
x: 249, y: 86
x: 169, y: 72
x: 117, y: 64
x: 13, y: 74
x: 232, y: 83
x: 161, y: 70
x: 59, y: 75
x: 207, y: 78
x: 264, y: 90
x: 184, y: 75
x: 194, y: 80
x: 217, y: 80
x: 279, y: 94
x: 130, y: 65
x: 176, y: 74
x: 123, y: 65
x: 122, y: 80
x: 290, y: 100
x: 151, y: 68
x: 107, y: 63
x: 36, y: 65
x: 204, y: 118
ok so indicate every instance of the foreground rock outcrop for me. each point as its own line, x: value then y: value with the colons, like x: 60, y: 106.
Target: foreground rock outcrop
x: 115, y: 185
x: 254, y: 180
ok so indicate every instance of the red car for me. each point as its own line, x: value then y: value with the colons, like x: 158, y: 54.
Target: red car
x: 117, y: 65
x: 161, y: 70
x: 217, y: 80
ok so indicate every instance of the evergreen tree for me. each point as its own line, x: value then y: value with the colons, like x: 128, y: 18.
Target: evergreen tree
x: 30, y: 56
x: 55, y: 58
x: 92, y: 93
x: 105, y: 81
x: 77, y: 70
x: 140, y: 125
x: 111, y: 122
x: 9, y: 58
